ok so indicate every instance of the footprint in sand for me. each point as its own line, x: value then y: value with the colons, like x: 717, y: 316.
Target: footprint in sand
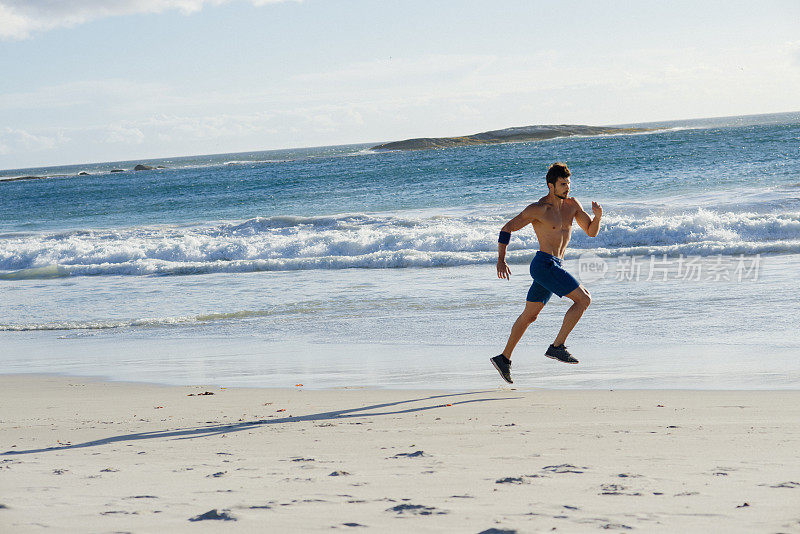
x: 415, y: 454
x: 510, y: 480
x: 615, y: 526
x: 616, y: 489
x: 213, y: 514
x: 415, y: 509
x: 563, y: 468
x: 789, y: 484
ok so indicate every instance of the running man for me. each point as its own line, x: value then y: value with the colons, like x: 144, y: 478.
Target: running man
x: 551, y: 218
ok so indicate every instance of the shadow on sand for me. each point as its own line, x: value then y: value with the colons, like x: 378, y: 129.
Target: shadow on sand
x: 206, y: 431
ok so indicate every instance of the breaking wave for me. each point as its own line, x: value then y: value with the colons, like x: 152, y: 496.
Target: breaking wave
x: 373, y: 241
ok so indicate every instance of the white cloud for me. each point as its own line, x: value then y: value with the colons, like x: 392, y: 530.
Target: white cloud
x: 84, y: 93
x: 228, y: 126
x: 122, y: 134
x: 21, y: 18
x: 12, y: 24
x: 793, y: 49
x: 632, y: 85
x: 16, y: 139
x: 172, y: 134
x: 434, y: 66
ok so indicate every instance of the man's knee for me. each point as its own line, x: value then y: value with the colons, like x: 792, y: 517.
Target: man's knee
x: 583, y: 298
x: 530, y: 317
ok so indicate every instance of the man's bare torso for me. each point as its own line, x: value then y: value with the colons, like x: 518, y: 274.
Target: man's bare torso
x: 553, y: 225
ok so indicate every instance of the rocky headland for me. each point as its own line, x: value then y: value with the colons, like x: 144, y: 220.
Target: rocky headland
x: 509, y: 135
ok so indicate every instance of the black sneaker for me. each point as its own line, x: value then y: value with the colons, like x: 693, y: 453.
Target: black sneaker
x: 560, y: 353
x: 503, y: 366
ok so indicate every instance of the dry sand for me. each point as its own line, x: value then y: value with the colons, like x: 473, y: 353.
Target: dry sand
x: 78, y: 455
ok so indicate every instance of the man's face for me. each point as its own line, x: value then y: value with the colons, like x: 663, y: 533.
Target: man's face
x: 561, y: 188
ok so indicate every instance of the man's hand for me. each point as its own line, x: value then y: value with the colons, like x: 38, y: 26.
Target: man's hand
x: 502, y: 270
x: 597, y: 209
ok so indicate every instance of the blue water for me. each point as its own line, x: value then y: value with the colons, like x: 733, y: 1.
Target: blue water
x: 327, y: 181
x: 235, y: 260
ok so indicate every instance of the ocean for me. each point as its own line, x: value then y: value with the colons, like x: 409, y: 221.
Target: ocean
x: 344, y: 267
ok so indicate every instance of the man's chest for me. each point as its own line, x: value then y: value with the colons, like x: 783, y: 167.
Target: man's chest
x: 556, y: 220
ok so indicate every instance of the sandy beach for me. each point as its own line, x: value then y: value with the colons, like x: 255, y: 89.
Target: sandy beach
x: 256, y: 257
x: 81, y: 455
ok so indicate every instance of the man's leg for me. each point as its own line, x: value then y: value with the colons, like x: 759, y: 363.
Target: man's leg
x: 528, y: 316
x: 581, y: 300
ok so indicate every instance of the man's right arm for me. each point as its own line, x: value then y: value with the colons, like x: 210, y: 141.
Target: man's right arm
x: 527, y: 216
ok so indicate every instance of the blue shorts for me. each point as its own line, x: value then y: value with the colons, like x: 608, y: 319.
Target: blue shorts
x: 548, y: 278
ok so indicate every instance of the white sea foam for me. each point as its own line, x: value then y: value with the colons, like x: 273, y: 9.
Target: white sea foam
x: 656, y: 130
x: 375, y: 241
x: 187, y: 320
x: 254, y: 161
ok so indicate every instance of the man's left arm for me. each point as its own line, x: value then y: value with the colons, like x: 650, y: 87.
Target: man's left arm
x: 591, y: 227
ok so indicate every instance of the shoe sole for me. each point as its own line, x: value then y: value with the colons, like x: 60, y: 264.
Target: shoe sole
x: 499, y: 371
x: 559, y: 359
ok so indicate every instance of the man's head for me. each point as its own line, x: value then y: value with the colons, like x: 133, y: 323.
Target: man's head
x: 558, y: 180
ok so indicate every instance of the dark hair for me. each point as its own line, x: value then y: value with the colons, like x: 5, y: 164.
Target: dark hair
x: 556, y: 171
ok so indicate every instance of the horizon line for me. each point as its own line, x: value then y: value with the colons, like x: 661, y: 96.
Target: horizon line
x: 155, y: 159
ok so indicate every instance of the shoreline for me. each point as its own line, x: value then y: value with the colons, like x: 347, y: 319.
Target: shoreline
x: 454, y: 390
x: 80, y: 454
x: 187, y: 358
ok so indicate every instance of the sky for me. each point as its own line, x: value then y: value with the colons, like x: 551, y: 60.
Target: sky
x: 100, y: 80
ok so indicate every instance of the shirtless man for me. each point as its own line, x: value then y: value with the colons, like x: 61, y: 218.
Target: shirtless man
x: 551, y: 218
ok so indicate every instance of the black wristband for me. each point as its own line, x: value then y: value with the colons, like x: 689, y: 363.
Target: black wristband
x: 505, y: 237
